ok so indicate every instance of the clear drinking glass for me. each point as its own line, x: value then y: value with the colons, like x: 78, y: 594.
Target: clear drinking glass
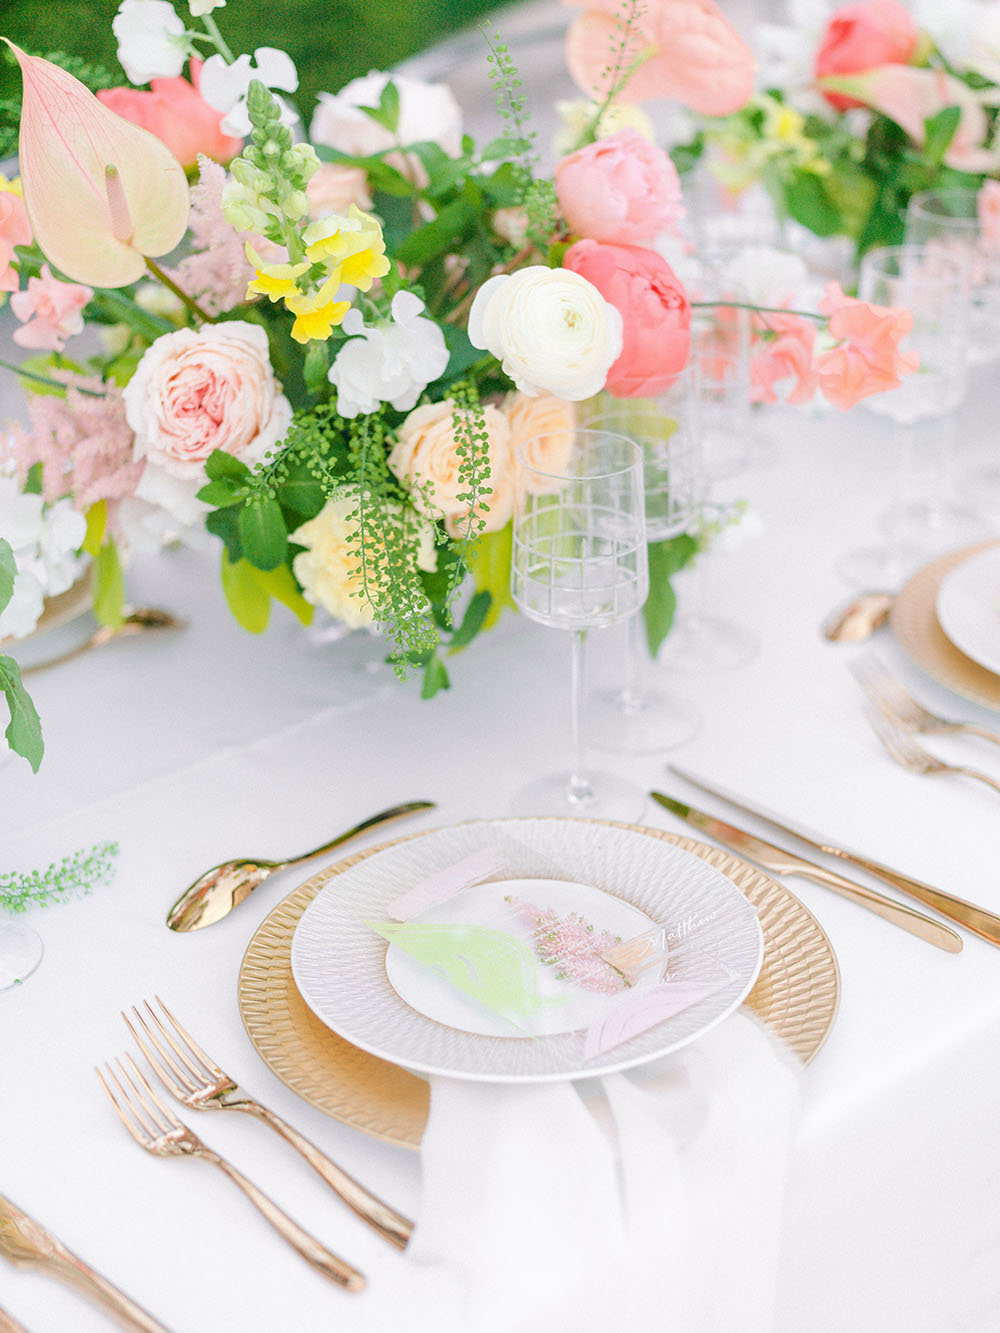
x: 633, y: 717
x: 923, y: 520
x: 20, y: 953
x: 579, y: 562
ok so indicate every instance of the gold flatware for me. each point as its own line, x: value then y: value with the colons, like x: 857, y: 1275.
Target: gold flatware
x: 214, y: 894
x: 196, y: 1080
x: 8, y: 1324
x: 909, y: 754
x: 159, y: 1131
x: 135, y: 620
x: 26, y: 1244
x: 890, y: 698
x: 977, y: 919
x: 859, y: 618
x: 781, y: 862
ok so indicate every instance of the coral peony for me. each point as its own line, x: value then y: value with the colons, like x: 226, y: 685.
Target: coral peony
x: 655, y: 311
x: 178, y: 115
x: 862, y: 36
x: 620, y: 189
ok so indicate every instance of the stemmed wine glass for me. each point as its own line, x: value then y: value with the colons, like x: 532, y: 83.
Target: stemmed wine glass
x: 20, y: 953
x: 633, y: 717
x: 579, y: 562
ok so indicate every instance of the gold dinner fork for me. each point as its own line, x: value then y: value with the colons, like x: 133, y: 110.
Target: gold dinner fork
x: 886, y: 693
x: 8, y: 1324
x: 159, y: 1131
x: 196, y: 1080
x: 909, y: 754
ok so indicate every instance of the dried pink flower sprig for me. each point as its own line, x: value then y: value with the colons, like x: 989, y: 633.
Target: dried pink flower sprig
x: 572, y: 946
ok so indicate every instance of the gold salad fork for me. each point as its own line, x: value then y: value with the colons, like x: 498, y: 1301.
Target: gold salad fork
x: 886, y: 693
x: 196, y: 1080
x: 911, y: 755
x: 159, y: 1131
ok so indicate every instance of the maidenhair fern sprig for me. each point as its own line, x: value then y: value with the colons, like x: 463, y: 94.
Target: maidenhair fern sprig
x: 76, y: 874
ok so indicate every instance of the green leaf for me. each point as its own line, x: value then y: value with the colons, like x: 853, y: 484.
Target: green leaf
x: 222, y: 494
x: 109, y: 586
x: 221, y: 466
x: 280, y: 584
x: 435, y: 677
x: 939, y: 130
x: 490, y: 561
x: 665, y: 559
x: 8, y: 572
x: 249, y: 603
x: 445, y: 231
x: 225, y: 524
x: 387, y: 111
x: 315, y: 367
x: 809, y: 204
x: 473, y: 621
x: 33, y: 482
x: 24, y: 731
x: 263, y: 534
x: 97, y: 518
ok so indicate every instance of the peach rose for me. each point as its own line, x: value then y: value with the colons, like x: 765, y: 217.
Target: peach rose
x: 860, y: 37
x: 333, y: 188
x: 620, y: 189
x: 425, y: 460
x: 197, y: 391
x: 177, y: 114
x: 543, y: 427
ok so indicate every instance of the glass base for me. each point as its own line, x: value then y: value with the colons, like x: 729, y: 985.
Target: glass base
x: 607, y: 797
x: 641, y: 721
x: 935, y: 526
x: 20, y: 953
x: 704, y: 643
x: 879, y: 568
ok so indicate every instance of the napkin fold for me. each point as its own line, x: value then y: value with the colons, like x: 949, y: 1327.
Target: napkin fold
x: 652, y: 1195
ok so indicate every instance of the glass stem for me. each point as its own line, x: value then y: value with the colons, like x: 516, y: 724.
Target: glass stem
x: 579, y: 791
x: 631, y: 695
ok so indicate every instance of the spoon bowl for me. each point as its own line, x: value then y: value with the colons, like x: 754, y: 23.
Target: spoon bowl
x: 859, y: 618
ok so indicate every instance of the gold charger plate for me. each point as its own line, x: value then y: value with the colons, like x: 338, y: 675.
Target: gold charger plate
x: 796, y: 994
x: 914, y: 622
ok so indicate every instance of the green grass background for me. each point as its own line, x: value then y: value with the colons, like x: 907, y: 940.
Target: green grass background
x: 330, y: 41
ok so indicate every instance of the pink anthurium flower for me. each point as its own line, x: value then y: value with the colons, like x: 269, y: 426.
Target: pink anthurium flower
x: 101, y: 194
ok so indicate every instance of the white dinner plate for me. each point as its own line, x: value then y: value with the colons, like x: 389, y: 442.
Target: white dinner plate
x: 968, y: 608
x: 381, y: 1000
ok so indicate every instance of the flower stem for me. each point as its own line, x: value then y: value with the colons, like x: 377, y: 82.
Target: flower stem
x: 46, y: 379
x: 217, y: 38
x: 760, y: 309
x: 179, y: 292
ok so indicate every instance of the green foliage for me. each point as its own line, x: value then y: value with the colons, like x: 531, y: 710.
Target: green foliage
x: 472, y: 448
x: 72, y: 875
x: 109, y: 585
x: 24, y: 730
x: 665, y: 559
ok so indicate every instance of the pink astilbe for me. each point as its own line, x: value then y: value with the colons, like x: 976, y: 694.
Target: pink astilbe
x: 867, y: 359
x: 82, y: 441
x: 782, y: 352
x: 216, y: 273
x: 572, y: 946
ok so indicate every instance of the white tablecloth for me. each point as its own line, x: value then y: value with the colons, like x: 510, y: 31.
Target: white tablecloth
x: 210, y: 743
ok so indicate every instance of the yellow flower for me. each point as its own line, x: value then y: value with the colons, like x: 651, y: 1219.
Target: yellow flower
x: 316, y: 313
x: 274, y: 280
x: 13, y: 186
x: 354, y: 243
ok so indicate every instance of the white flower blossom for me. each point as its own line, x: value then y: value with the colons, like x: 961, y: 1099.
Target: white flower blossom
x: 388, y: 363
x: 46, y: 541
x: 224, y: 87
x: 151, y: 40
x: 199, y: 8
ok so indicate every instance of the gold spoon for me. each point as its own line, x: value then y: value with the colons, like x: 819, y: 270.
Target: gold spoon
x: 135, y: 620
x: 861, y: 617
x: 214, y: 894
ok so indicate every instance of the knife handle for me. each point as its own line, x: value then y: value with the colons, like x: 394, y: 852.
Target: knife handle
x: 925, y: 927
x: 977, y: 919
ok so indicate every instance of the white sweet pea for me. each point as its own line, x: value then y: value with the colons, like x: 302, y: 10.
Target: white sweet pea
x: 765, y: 275
x: 199, y: 8
x: 224, y: 87
x: 46, y: 541
x: 551, y: 330
x: 151, y: 40
x: 388, y: 363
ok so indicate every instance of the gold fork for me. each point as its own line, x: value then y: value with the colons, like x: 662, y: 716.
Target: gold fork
x: 909, y: 754
x: 886, y: 693
x: 159, y: 1131
x: 197, y: 1081
x: 8, y: 1324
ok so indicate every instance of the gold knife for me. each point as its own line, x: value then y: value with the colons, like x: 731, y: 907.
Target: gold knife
x: 976, y: 919
x: 28, y: 1245
x: 780, y: 862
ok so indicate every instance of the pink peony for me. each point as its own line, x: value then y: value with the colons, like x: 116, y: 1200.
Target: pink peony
x: 655, y: 311
x: 50, y: 311
x: 14, y: 230
x: 621, y: 189
x: 868, y: 361
x: 178, y: 115
x: 861, y: 36
x: 194, y: 392
x: 690, y: 52
x: 786, y: 355
x: 988, y: 212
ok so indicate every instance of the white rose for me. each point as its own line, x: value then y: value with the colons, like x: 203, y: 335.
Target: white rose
x: 551, y: 330
x: 389, y: 363
x: 151, y: 41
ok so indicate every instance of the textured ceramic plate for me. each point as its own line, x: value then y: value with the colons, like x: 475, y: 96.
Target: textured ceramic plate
x: 968, y: 607
x: 915, y: 624
x: 796, y: 995
x: 339, y: 962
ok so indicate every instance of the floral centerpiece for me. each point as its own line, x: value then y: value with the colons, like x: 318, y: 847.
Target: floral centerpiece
x: 327, y: 351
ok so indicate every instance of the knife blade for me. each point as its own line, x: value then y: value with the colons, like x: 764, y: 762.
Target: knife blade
x: 27, y: 1244
x: 780, y: 862
x: 977, y: 919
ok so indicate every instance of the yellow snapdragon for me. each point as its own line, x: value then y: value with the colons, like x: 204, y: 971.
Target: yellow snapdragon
x: 354, y: 243
x: 317, y: 312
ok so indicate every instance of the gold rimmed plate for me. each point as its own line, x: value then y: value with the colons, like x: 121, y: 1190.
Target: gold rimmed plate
x: 796, y: 994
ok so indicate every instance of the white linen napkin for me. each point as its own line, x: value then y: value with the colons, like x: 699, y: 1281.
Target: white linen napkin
x: 658, y: 1201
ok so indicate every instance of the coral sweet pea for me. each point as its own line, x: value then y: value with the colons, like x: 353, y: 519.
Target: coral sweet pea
x: 175, y: 111
x: 101, y: 194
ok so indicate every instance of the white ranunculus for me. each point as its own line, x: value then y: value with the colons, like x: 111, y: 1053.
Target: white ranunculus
x: 151, y: 41
x: 224, y: 86
x: 551, y: 330
x: 388, y: 363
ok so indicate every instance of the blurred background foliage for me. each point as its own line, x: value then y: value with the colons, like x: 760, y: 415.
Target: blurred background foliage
x: 330, y: 41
